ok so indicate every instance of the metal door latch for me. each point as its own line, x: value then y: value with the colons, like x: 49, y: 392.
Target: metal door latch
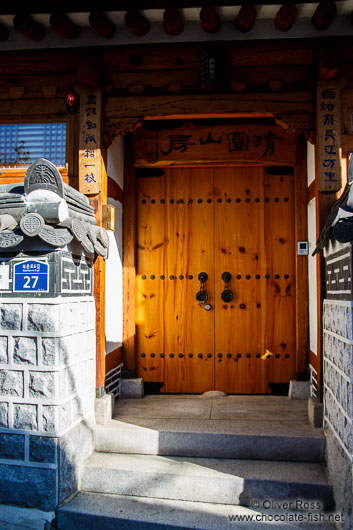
x: 227, y: 294
x: 202, y: 295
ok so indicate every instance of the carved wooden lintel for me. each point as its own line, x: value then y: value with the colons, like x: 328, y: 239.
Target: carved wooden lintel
x: 120, y: 127
x: 298, y: 123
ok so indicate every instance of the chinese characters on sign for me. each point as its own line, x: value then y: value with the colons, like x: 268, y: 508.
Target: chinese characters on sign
x: 90, y: 153
x: 261, y: 144
x: 329, y: 137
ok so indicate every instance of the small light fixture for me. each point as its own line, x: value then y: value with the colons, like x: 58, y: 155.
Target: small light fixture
x: 72, y: 101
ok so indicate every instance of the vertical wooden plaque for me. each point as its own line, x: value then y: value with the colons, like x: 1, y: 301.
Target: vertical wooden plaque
x: 90, y: 161
x: 329, y: 135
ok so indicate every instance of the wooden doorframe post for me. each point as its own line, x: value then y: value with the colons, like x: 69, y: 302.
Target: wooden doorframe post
x: 129, y: 261
x: 301, y: 262
x: 93, y: 183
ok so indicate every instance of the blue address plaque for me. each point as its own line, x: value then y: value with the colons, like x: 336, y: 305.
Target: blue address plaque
x: 31, y: 276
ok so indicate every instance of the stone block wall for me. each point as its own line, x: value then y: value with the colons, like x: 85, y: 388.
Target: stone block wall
x: 338, y: 375
x: 47, y: 392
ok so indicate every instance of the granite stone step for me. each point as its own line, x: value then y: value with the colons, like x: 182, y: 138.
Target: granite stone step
x: 213, y: 439
x: 221, y: 481
x: 92, y: 511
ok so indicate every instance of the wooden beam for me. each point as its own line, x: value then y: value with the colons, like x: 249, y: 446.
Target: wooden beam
x: 329, y: 61
x: 97, y: 200
x: 301, y: 262
x: 114, y: 191
x: 206, y: 104
x: 246, y: 19
x: 129, y: 264
x: 286, y: 16
x: 102, y: 24
x: 36, y: 109
x: 114, y: 358
x: 89, y: 69
x: 210, y: 20
x: 137, y: 23
x: 324, y: 15
x: 61, y: 23
x: 173, y: 22
x: 28, y: 26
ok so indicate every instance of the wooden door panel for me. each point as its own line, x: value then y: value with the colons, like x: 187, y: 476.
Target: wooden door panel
x: 175, y: 243
x: 239, y: 249
x: 280, y: 251
x: 189, y: 328
x: 254, y: 241
x: 150, y: 290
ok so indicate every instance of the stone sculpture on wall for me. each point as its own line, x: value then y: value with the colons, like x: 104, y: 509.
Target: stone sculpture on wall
x: 47, y: 208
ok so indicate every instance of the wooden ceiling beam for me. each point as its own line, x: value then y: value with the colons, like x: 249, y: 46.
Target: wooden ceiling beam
x: 286, y: 16
x: 102, y: 24
x: 246, y: 19
x: 324, y: 15
x: 137, y: 23
x: 210, y: 20
x: 157, y: 107
x: 61, y: 23
x: 28, y: 26
x: 173, y: 22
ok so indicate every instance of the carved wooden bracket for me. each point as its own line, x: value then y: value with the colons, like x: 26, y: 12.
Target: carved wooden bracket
x: 298, y: 123
x: 120, y: 127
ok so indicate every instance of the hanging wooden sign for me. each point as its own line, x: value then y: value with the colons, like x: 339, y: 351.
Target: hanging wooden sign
x: 90, y: 162
x: 220, y: 144
x: 329, y: 135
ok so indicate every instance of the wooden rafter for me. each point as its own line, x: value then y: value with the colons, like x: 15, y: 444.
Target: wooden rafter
x: 173, y: 22
x: 102, y: 24
x: 286, y: 16
x: 137, y: 23
x: 61, y: 23
x: 28, y: 26
x: 210, y: 20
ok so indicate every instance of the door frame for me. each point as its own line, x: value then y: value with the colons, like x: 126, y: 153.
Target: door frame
x: 301, y: 262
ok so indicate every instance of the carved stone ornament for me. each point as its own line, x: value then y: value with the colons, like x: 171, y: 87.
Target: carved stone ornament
x: 87, y: 246
x: 103, y: 237
x: 31, y: 224
x: 47, y: 208
x: 57, y: 237
x: 10, y: 239
x: 100, y: 250
x: 79, y: 230
x: 120, y: 127
x: 43, y: 175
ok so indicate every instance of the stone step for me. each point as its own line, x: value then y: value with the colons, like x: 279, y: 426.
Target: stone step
x: 91, y: 511
x: 233, y: 482
x: 213, y: 439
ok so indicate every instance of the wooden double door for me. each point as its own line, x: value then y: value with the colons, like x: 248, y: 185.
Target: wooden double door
x: 238, y: 220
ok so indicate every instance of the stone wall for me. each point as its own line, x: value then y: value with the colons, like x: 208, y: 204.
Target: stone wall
x: 47, y: 391
x: 338, y: 376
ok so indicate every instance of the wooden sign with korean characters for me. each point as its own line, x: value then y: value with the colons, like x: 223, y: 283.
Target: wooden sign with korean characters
x: 329, y: 135
x: 90, y: 162
x: 220, y: 144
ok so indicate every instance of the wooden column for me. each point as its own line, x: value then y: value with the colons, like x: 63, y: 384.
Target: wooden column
x: 301, y: 262
x: 129, y: 265
x: 93, y: 182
